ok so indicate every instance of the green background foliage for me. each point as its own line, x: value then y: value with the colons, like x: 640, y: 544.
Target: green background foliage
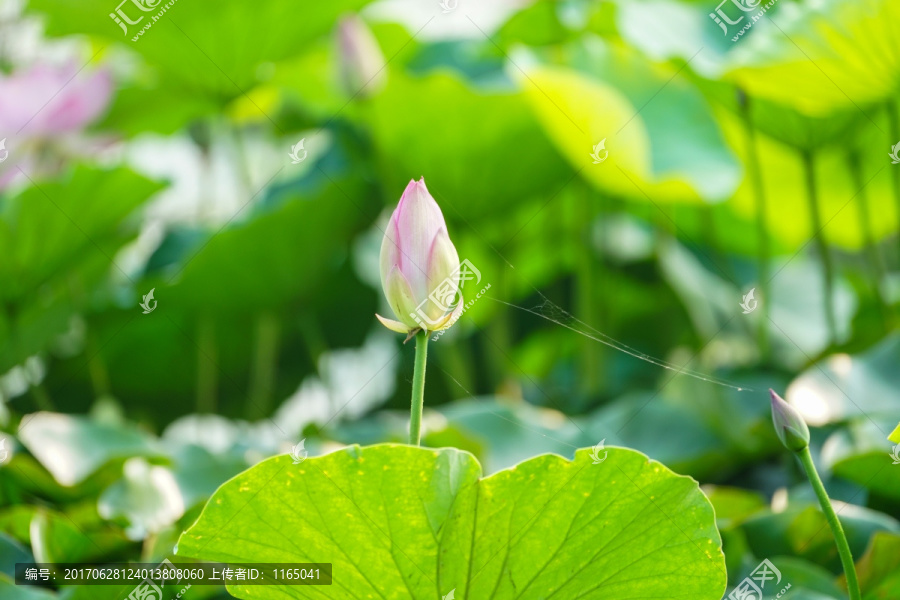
x: 614, y: 310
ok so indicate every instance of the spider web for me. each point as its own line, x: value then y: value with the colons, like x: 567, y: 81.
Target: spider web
x: 554, y: 313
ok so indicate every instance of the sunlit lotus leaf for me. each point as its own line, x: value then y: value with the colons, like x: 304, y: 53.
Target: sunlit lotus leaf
x: 625, y: 528
x: 618, y: 98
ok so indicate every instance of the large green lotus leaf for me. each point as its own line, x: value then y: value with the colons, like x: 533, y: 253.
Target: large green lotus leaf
x: 55, y: 237
x: 671, y: 29
x: 578, y: 112
x: 29, y: 476
x: 199, y: 472
x: 839, y: 197
x: 12, y: 552
x: 797, y: 319
x: 669, y: 105
x: 510, y: 432
x: 72, y: 447
x: 801, y: 530
x: 860, y: 454
x: 733, y: 505
x: 844, y: 386
x: 405, y: 522
x: 274, y: 257
x: 173, y: 107
x: 817, y: 57
x: 424, y: 127
x: 886, y: 589
x: 663, y: 430
x: 784, y: 123
x: 213, y: 49
x: 834, y: 55
x: 808, y: 580
x: 621, y: 98
x: 880, y: 562
x: 55, y: 538
x: 55, y: 224
x: 10, y: 591
x: 15, y: 521
x: 536, y: 25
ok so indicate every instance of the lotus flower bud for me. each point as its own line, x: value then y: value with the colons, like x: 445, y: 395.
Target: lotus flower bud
x: 362, y: 64
x: 789, y: 425
x: 419, y: 264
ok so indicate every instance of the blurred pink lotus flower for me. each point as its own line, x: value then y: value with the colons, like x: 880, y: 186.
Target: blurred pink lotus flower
x: 47, y: 100
x: 419, y: 264
x: 46, y: 105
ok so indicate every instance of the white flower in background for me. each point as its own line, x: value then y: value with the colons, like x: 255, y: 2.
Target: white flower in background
x: 147, y: 496
x: 454, y: 25
x: 4, y: 451
x: 17, y: 380
x: 47, y: 106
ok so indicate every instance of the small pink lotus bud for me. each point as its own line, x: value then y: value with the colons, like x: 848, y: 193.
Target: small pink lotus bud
x: 362, y: 65
x: 419, y: 264
x: 789, y: 425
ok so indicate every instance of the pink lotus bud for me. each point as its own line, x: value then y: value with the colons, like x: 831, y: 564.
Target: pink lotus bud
x: 789, y: 425
x: 419, y: 264
x: 362, y: 64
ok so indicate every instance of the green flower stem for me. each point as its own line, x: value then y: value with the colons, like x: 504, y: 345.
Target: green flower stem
x: 764, y: 256
x: 418, y: 388
x: 838, y: 531
x: 871, y: 246
x: 821, y: 245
